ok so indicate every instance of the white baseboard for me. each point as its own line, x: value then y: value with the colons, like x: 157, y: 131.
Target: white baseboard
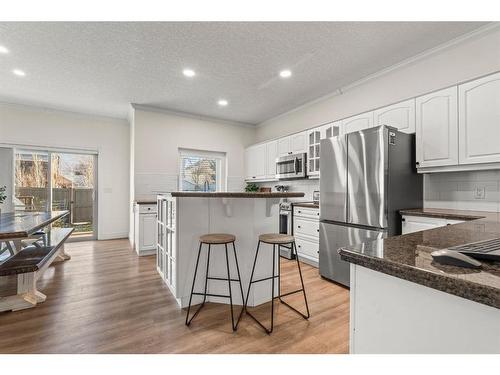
x: 112, y: 236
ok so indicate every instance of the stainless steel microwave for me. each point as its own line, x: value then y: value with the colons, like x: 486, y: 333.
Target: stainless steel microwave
x: 291, y: 166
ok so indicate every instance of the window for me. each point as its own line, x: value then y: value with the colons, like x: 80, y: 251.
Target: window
x: 202, y: 170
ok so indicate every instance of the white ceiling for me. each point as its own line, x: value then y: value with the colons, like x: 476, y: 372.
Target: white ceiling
x: 100, y: 68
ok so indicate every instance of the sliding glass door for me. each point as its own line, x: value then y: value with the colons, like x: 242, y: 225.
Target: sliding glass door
x: 58, y: 181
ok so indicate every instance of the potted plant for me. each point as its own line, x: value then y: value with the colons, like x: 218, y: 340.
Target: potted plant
x: 251, y: 187
x: 3, y: 196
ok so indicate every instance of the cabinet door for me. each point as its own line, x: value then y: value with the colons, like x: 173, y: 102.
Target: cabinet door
x: 147, y: 231
x: 313, y: 143
x: 331, y: 130
x: 359, y: 122
x: 284, y: 146
x: 272, y: 154
x: 412, y: 224
x: 479, y: 120
x: 299, y: 143
x: 437, y: 128
x: 400, y: 116
x: 256, y: 163
x: 248, y: 163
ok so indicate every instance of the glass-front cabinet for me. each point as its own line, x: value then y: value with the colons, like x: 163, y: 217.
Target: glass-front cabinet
x: 313, y: 142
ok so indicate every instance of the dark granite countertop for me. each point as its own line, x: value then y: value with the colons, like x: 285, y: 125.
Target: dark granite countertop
x: 21, y: 224
x: 409, y: 257
x: 306, y: 204
x: 441, y: 213
x: 184, y: 194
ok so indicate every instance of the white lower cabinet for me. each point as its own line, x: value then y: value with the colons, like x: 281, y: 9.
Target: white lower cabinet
x: 166, y: 246
x: 145, y: 229
x: 410, y: 224
x: 306, y: 233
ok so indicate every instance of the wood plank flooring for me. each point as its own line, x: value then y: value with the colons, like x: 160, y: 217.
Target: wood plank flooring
x: 108, y: 300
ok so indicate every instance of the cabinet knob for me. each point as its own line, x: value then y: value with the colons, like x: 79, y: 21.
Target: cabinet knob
x: 298, y: 226
x: 299, y: 246
x: 317, y: 230
x: 417, y: 163
x: 299, y: 212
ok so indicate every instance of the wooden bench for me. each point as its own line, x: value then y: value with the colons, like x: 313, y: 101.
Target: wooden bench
x: 20, y: 272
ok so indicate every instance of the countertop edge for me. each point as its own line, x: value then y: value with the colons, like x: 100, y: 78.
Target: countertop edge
x: 440, y: 215
x: 237, y: 195
x: 469, y: 290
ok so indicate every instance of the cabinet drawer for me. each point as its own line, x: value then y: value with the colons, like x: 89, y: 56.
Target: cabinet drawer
x: 312, y: 213
x: 306, y: 227
x: 147, y: 208
x: 307, y: 248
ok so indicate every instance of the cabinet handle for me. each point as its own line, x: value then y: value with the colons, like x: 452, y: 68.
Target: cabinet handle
x: 417, y: 163
x: 317, y: 230
x: 317, y: 252
x: 298, y: 226
x: 299, y: 212
x: 299, y: 246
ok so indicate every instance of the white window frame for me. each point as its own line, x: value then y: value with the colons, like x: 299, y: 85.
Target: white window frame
x: 221, y: 165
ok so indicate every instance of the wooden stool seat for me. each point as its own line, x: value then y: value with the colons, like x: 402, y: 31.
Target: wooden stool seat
x: 276, y: 238
x: 217, y: 238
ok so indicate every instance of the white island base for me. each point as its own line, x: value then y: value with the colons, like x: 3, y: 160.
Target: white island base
x: 182, y: 220
x: 392, y: 315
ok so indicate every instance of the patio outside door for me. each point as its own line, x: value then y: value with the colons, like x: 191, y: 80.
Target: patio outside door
x: 67, y: 182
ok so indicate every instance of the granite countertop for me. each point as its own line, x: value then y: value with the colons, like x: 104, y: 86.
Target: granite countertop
x: 409, y: 256
x: 21, y: 224
x: 152, y: 201
x: 441, y: 213
x: 306, y: 204
x: 184, y: 194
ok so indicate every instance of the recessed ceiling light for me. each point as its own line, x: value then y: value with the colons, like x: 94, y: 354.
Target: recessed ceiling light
x: 285, y: 73
x: 189, y: 72
x: 19, y: 72
x: 222, y: 102
x: 4, y: 50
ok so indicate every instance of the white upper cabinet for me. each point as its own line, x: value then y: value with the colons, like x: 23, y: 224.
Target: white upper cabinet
x: 479, y: 120
x: 313, y: 141
x: 272, y: 154
x: 437, y: 129
x: 359, y: 122
x: 400, y: 115
x: 331, y: 130
x: 284, y: 147
x: 298, y: 143
x: 256, y: 162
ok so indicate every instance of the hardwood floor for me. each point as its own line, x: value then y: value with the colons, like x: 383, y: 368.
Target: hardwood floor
x: 108, y: 300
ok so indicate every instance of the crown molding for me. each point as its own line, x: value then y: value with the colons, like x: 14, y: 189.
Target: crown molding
x: 490, y: 27
x: 148, y: 108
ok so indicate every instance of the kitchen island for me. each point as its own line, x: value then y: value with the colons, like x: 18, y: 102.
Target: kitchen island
x: 404, y: 302
x: 184, y: 216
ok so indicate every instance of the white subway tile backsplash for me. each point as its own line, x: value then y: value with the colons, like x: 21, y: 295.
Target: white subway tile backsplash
x: 456, y: 190
x: 307, y: 186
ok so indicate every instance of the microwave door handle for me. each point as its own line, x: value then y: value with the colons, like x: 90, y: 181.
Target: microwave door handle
x: 296, y: 165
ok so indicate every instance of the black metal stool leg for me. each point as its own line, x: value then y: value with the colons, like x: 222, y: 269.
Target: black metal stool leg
x: 241, y: 288
x: 251, y: 276
x: 230, y: 292
x: 303, y: 290
x: 267, y: 330
x: 188, y: 322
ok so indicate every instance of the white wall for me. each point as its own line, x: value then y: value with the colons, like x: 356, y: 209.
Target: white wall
x: 7, y: 177
x: 455, y: 190
x: 26, y: 125
x: 160, y: 134
x: 476, y: 56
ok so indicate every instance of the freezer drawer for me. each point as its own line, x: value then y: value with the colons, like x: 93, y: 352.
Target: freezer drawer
x: 331, y: 238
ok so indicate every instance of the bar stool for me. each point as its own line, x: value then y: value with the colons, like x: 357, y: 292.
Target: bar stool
x: 216, y: 239
x: 277, y: 240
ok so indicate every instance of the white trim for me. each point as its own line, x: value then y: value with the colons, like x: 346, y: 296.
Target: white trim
x: 167, y: 111
x: 40, y: 147
x: 113, y: 236
x: 45, y: 108
x: 411, y: 60
x: 460, y: 168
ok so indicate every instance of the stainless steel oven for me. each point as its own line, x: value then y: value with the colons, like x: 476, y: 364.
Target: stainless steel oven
x: 291, y: 166
x: 285, y: 227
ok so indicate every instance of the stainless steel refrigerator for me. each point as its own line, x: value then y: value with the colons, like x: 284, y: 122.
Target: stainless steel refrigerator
x: 366, y: 178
